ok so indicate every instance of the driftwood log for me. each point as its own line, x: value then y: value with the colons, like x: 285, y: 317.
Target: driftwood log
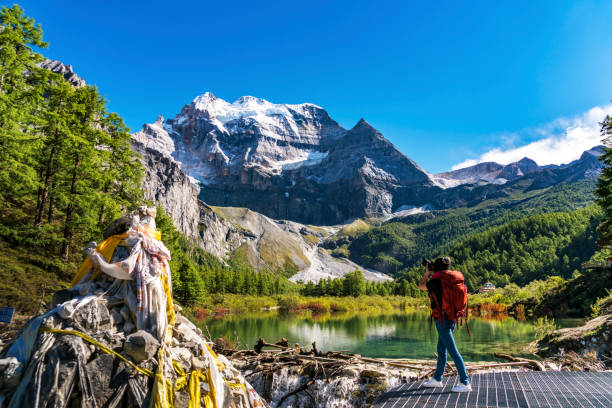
x: 536, y: 365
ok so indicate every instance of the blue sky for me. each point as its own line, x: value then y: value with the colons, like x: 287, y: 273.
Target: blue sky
x: 465, y: 79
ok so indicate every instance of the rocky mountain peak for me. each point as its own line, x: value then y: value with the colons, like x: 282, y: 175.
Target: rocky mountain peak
x: 594, y: 152
x: 363, y: 123
x: 295, y: 162
x: 518, y: 169
x: 65, y: 70
x: 526, y: 161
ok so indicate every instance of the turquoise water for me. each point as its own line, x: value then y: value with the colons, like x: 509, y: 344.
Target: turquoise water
x: 402, y: 335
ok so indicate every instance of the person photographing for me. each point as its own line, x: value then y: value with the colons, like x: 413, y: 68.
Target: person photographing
x: 448, y: 295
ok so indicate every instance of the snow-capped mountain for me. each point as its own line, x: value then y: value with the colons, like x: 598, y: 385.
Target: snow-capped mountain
x: 213, y: 138
x: 488, y: 172
x: 295, y: 162
x: 286, y: 161
x: 587, y: 166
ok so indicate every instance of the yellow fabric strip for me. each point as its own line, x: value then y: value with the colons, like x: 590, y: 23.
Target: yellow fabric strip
x: 101, y: 347
x: 106, y: 248
x: 181, y: 381
x: 220, y: 365
x: 162, y: 395
x: 169, y: 304
x: 213, y: 393
x: 236, y: 385
x: 195, y: 393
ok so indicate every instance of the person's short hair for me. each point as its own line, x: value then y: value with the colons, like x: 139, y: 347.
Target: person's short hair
x: 442, y: 264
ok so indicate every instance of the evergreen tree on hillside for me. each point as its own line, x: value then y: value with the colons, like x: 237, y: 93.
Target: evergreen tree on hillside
x: 20, y: 95
x: 66, y: 167
x: 604, y: 186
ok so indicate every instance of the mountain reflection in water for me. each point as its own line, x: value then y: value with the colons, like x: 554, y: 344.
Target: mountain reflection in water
x: 401, y: 335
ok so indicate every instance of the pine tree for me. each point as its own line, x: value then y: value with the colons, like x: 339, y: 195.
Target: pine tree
x: 57, y: 124
x: 604, y: 184
x: 121, y: 173
x: 20, y: 93
x: 84, y: 159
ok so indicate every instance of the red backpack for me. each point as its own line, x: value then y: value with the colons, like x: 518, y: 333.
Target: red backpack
x: 454, y: 297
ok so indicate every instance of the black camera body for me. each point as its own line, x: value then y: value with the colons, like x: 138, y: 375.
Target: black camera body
x: 426, y: 262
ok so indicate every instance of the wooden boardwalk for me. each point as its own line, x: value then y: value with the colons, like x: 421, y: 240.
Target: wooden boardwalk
x: 509, y: 389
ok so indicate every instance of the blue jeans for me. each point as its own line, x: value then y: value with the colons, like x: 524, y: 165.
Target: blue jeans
x: 446, y: 342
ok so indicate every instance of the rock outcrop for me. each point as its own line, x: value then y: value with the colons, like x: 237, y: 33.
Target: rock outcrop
x: 65, y: 70
x: 166, y: 184
x: 592, y: 338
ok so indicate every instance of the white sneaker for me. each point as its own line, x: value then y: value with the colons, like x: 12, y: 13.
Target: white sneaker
x: 433, y: 383
x: 462, y: 388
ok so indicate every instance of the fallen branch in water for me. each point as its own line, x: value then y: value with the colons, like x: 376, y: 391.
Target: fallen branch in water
x: 536, y: 365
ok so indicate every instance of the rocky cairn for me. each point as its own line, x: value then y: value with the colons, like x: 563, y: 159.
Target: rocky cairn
x: 92, y: 350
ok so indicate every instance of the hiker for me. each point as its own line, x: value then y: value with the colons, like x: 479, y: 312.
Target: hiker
x: 448, y: 296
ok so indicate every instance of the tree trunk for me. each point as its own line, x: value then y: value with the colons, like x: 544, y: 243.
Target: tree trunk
x: 42, y: 199
x: 68, y: 230
x: 103, y: 207
x: 51, y: 202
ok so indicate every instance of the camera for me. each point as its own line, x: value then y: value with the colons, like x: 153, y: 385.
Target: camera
x: 426, y: 262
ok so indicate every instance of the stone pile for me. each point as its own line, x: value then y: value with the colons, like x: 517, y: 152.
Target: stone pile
x: 86, y: 352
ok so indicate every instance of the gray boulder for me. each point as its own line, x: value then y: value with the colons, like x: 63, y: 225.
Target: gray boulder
x: 140, y: 346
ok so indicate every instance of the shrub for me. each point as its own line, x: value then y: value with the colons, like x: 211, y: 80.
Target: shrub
x: 200, y: 313
x: 318, y: 307
x: 289, y: 304
x: 544, y: 327
x: 602, y: 304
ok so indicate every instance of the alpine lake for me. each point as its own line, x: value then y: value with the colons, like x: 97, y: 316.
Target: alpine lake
x: 397, y: 335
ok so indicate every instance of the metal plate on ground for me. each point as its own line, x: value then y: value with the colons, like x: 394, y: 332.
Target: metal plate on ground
x: 6, y: 314
x: 509, y: 389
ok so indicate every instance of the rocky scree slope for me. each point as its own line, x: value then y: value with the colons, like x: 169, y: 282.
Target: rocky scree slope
x: 267, y: 244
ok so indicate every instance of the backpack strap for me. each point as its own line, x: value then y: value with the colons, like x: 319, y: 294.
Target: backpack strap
x: 467, y: 313
x: 435, y: 299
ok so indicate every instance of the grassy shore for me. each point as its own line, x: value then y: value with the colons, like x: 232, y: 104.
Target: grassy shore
x: 220, y: 304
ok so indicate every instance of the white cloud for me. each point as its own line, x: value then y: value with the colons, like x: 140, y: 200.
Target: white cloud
x: 559, y: 142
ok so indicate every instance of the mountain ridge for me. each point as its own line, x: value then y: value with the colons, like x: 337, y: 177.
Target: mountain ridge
x: 295, y: 162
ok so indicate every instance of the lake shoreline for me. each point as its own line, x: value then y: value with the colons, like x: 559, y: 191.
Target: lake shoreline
x: 308, y: 381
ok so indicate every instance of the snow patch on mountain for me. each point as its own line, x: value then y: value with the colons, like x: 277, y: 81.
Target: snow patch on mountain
x: 155, y: 136
x: 406, y: 210
x: 311, y: 158
x: 229, y: 117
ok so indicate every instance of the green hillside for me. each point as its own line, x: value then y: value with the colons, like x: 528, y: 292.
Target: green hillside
x: 399, y: 244
x: 529, y: 248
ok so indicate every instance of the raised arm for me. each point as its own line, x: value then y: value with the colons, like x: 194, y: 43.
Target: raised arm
x: 425, y: 278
